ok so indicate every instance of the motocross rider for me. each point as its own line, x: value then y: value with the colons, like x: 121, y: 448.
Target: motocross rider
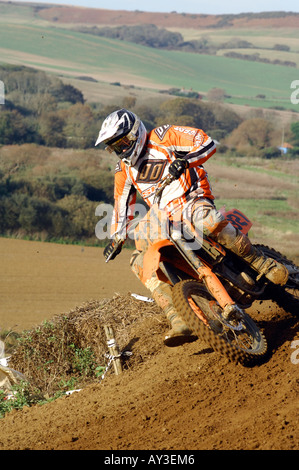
x: 144, y: 159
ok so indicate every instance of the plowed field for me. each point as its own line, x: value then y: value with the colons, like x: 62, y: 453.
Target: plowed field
x: 185, y: 398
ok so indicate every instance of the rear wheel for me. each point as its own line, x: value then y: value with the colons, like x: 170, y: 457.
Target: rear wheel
x: 238, y: 339
x: 287, y: 297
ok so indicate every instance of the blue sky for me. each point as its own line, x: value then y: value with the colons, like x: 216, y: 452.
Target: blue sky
x: 213, y: 7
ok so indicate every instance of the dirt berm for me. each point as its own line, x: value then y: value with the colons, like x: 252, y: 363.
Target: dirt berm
x: 185, y: 398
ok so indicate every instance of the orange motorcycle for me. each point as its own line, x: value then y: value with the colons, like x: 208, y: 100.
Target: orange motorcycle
x: 212, y: 286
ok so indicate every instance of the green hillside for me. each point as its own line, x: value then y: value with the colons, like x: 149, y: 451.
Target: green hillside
x: 73, y: 53
x: 52, y: 178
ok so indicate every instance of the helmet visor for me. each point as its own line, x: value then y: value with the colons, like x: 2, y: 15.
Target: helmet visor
x: 121, y: 146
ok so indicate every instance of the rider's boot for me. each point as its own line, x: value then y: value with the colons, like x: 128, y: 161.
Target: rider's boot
x: 240, y: 244
x: 179, y: 332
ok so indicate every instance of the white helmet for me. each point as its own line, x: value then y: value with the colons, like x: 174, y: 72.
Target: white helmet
x: 125, y: 134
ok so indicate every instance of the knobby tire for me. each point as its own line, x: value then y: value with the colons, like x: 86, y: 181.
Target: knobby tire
x: 286, y: 297
x: 182, y: 292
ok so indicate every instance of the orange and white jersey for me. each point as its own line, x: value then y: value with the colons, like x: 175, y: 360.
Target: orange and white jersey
x: 164, y: 145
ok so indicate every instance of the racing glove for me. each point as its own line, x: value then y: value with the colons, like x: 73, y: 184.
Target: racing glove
x: 178, y: 167
x: 113, y: 249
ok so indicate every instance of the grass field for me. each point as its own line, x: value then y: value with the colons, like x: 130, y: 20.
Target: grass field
x: 71, y: 54
x: 267, y: 193
x: 262, y: 38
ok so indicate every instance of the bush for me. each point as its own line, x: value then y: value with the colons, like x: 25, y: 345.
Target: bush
x: 146, y: 34
x: 271, y: 152
x: 70, y: 350
x: 190, y: 112
x: 42, y: 109
x: 294, y: 152
x: 253, y: 134
x: 14, y: 128
x: 33, y: 215
x: 53, y: 357
x: 52, y: 195
x: 80, y: 214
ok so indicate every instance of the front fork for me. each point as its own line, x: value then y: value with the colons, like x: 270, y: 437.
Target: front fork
x: 229, y: 308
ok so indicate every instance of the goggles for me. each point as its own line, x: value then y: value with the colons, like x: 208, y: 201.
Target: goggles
x: 121, y: 145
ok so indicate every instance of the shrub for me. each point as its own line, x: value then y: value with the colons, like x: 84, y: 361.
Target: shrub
x: 271, y: 152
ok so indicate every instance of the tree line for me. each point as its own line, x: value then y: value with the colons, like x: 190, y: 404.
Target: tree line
x: 228, y: 20
x: 257, y: 58
x: 151, y: 36
x: 52, y: 194
x: 41, y: 109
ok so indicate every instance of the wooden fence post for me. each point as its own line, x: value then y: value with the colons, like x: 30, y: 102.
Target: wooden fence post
x: 113, y: 349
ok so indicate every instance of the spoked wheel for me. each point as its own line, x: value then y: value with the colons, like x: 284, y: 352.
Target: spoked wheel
x: 238, y: 339
x: 287, y: 297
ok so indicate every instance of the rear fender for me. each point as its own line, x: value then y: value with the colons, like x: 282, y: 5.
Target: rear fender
x: 238, y: 220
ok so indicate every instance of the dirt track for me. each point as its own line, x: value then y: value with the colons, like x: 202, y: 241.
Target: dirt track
x: 186, y: 398
x: 39, y: 280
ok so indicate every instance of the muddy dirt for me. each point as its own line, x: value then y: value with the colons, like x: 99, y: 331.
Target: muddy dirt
x: 185, y: 398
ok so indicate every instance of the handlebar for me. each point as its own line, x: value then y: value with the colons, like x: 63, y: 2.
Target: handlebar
x: 158, y: 194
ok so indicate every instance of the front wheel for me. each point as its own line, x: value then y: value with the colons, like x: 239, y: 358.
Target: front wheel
x: 239, y: 339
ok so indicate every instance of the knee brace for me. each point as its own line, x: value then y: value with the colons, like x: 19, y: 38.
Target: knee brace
x: 207, y: 219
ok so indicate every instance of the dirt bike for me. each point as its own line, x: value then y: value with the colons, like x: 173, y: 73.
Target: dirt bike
x: 212, y: 286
